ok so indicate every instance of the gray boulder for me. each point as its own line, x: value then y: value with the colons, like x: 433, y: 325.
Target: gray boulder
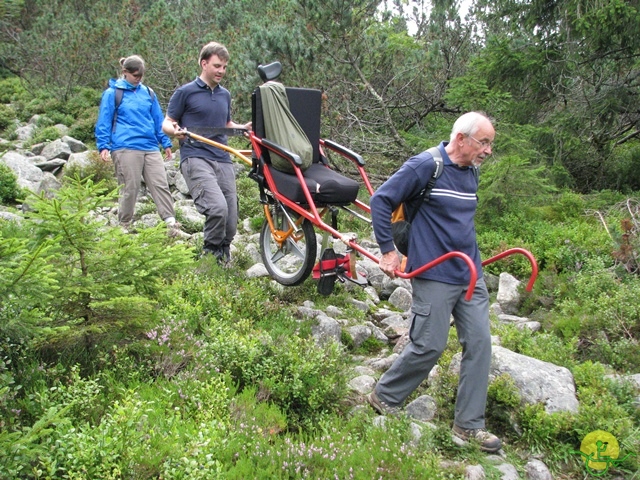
x: 49, y: 185
x: 79, y: 160
x: 28, y: 175
x: 537, y: 470
x: 76, y: 146
x: 508, y: 296
x: 326, y: 330
x: 401, y: 299
x: 25, y: 132
x: 537, y: 381
x: 56, y: 149
x: 423, y: 408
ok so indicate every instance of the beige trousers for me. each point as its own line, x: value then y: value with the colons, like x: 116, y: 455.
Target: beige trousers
x: 130, y: 166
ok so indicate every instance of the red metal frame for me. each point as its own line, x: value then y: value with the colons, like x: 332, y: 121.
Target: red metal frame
x: 311, y: 212
x: 526, y: 253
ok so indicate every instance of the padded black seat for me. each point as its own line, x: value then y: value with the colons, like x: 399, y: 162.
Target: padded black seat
x: 327, y: 187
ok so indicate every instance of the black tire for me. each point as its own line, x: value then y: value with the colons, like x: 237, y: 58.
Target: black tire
x: 292, y: 263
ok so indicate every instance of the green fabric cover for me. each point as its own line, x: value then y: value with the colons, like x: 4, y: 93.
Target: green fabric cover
x: 282, y: 128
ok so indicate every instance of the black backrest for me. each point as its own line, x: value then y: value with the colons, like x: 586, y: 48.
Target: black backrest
x: 305, y: 105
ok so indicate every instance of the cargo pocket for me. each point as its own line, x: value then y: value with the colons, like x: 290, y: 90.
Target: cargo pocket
x: 115, y: 158
x: 196, y: 190
x: 420, y: 320
x: 197, y: 195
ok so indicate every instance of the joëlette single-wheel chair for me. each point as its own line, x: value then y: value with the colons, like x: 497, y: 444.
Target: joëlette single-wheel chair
x: 299, y: 201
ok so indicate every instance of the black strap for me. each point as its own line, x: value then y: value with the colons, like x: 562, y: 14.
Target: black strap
x: 118, y: 101
x: 425, y: 193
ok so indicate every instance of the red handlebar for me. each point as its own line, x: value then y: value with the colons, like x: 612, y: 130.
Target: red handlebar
x: 447, y: 256
x: 526, y: 253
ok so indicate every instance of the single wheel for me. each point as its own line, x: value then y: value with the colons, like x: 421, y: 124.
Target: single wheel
x: 290, y: 263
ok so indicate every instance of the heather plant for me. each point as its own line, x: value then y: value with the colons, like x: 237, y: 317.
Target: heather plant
x: 611, y: 336
x: 354, y: 448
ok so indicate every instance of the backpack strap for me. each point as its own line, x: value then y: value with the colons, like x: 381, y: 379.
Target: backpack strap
x: 425, y: 193
x: 118, y: 100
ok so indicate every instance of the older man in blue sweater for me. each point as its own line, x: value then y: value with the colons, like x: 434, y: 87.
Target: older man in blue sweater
x: 444, y: 224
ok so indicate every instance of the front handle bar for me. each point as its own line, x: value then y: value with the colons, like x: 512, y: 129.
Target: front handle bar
x: 447, y: 256
x: 526, y: 253
x: 221, y: 146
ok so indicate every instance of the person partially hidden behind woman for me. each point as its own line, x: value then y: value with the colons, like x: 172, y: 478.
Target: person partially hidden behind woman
x: 129, y: 130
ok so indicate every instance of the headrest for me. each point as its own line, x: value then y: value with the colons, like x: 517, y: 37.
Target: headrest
x: 270, y: 71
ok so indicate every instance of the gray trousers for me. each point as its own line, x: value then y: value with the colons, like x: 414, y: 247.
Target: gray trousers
x: 130, y: 166
x: 212, y: 185
x: 433, y: 304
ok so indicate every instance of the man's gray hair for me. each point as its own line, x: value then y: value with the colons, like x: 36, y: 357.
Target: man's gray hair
x: 468, y: 124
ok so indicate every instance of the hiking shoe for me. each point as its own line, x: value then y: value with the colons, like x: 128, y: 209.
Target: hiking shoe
x: 127, y: 228
x: 218, y: 254
x: 226, y: 255
x: 488, y: 441
x: 381, y: 407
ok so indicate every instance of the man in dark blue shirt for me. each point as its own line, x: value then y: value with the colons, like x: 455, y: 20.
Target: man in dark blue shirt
x: 444, y: 224
x: 201, y: 106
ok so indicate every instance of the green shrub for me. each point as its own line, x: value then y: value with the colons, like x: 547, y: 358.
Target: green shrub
x: 97, y: 170
x: 552, y: 434
x: 82, y: 100
x: 88, y: 268
x: 133, y: 438
x: 46, y: 134
x: 11, y: 90
x: 7, y: 116
x: 370, y: 346
x: 544, y: 346
x: 612, y: 334
x: 9, y: 190
x: 293, y: 373
x: 503, y: 402
x: 249, y: 199
x: 84, y: 126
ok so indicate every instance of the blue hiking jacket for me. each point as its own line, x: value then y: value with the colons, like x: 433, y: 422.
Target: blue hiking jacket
x: 139, y: 123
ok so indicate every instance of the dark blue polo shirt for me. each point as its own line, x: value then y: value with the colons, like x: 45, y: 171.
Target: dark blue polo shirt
x: 199, y: 109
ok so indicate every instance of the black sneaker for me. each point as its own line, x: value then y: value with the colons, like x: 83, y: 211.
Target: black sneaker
x: 382, y: 407
x: 226, y: 254
x: 488, y: 441
x: 215, y: 251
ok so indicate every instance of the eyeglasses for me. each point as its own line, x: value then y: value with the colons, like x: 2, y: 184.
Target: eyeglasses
x: 483, y: 144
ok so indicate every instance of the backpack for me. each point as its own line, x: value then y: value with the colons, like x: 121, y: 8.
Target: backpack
x: 402, y: 216
x: 118, y: 101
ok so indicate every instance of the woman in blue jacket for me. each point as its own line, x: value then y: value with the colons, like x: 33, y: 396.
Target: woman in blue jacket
x: 129, y: 130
